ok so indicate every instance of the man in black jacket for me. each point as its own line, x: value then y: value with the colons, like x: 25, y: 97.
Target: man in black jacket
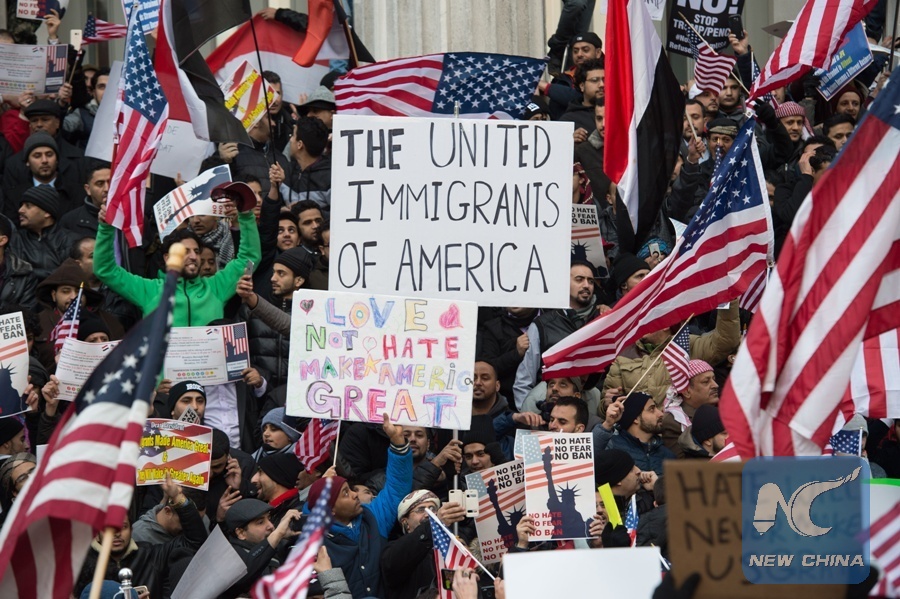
x: 39, y: 240
x: 83, y: 221
x: 504, y: 342
x: 309, y: 174
x: 148, y: 563
x: 590, y: 78
x: 17, y: 281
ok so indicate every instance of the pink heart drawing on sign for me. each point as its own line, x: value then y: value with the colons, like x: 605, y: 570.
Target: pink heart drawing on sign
x: 306, y: 305
x: 450, y: 318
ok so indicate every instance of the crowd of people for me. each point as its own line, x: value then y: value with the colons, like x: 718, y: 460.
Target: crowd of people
x: 55, y: 241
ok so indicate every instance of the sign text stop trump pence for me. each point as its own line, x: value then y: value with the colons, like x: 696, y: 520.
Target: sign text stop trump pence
x: 452, y: 208
x: 359, y: 356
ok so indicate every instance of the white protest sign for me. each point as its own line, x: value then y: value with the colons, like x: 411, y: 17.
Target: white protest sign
x: 358, y: 356
x: 559, y: 484
x: 189, y: 199
x: 631, y: 572
x: 38, y: 69
x: 457, y: 209
x: 587, y: 243
x: 77, y: 360
x: 501, y: 502
x: 212, y: 571
x: 13, y: 364
x: 212, y: 355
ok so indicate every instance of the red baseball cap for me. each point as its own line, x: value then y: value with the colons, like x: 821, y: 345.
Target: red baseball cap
x: 239, y: 193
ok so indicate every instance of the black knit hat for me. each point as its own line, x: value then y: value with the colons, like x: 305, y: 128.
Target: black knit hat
x: 91, y: 324
x: 44, y: 197
x: 632, y: 408
x: 481, y: 430
x: 298, y: 260
x: 39, y: 139
x: 625, y: 266
x: 179, y: 389
x: 9, y: 428
x: 283, y: 468
x: 589, y: 37
x: 706, y: 423
x: 611, y: 466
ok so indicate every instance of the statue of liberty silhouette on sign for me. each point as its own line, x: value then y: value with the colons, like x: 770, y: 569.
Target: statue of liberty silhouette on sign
x: 505, y: 528
x: 568, y: 523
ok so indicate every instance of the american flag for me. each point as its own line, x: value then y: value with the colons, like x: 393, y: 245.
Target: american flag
x: 313, y: 446
x: 449, y: 553
x: 729, y: 453
x: 292, y: 578
x: 844, y: 442
x: 754, y: 74
x: 236, y: 336
x: 750, y: 299
x: 57, y: 56
x: 835, y: 284
x: 724, y: 247
x: 712, y: 68
x: 676, y: 356
x: 142, y: 113
x: 510, y: 498
x: 874, y: 389
x: 86, y: 479
x: 811, y: 41
x: 884, y: 543
x: 631, y: 520
x: 67, y: 325
x: 485, y: 85
x: 96, y: 30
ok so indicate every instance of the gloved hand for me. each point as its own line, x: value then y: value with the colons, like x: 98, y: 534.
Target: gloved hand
x: 615, y: 537
x: 765, y: 114
x: 810, y: 84
x: 667, y: 590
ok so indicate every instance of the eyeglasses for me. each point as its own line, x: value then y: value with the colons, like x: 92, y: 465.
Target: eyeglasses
x: 419, y: 510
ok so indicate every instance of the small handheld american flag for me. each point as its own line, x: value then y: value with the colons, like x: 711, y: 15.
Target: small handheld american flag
x: 631, y: 520
x: 844, y: 443
x: 67, y: 325
x: 712, y: 68
x: 96, y: 30
x: 676, y: 356
x: 312, y: 448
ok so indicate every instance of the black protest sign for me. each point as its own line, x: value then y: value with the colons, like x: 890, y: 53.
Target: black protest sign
x: 708, y: 17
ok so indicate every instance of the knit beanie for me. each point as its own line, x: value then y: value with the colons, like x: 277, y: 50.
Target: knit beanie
x: 625, y: 266
x: 481, y: 430
x: 44, y: 197
x: 9, y: 428
x: 706, y: 423
x: 39, y: 139
x: 91, y: 324
x: 275, y: 417
x: 298, y: 260
x: 179, y: 389
x: 611, y: 466
x: 337, y: 483
x: 283, y: 468
x: 632, y: 408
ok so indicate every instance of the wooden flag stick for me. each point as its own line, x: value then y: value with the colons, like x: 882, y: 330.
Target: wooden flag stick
x: 693, y: 130
x: 337, y: 439
x: 658, y: 356
x: 102, y: 561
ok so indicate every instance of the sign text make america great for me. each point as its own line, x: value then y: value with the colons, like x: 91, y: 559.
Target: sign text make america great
x: 452, y: 208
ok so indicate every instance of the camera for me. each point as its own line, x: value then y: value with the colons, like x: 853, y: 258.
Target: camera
x: 546, y: 407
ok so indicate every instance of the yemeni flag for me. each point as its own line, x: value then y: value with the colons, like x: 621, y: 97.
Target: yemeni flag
x: 277, y: 44
x: 644, y: 117
x: 189, y: 85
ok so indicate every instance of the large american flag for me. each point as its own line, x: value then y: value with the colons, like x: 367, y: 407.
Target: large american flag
x: 874, y: 389
x: 449, y: 553
x: 96, y: 30
x: 142, y: 113
x: 836, y: 283
x: 750, y: 299
x: 85, y: 481
x: 884, y: 541
x: 711, y: 68
x: 292, y: 578
x: 810, y: 42
x: 676, y: 356
x: 485, y: 85
x: 67, y: 325
x: 724, y: 247
x: 313, y: 446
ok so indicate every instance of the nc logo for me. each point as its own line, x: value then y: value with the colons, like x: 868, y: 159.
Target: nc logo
x: 797, y: 508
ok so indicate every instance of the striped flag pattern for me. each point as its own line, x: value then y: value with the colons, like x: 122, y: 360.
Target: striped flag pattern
x: 67, y: 325
x: 142, y: 113
x: 631, y: 520
x: 711, y: 69
x: 313, y: 447
x: 86, y: 479
x: 750, y: 299
x: 292, y: 579
x: 724, y: 247
x: 884, y: 541
x: 57, y: 56
x: 508, y: 502
x: 449, y: 553
x: 676, y: 356
x: 836, y: 283
x: 810, y: 42
x: 485, y: 85
x: 236, y: 336
x: 874, y: 389
x: 729, y: 453
x: 16, y: 348
x: 96, y: 31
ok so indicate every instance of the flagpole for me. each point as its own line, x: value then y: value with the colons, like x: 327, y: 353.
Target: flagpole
x: 102, y: 562
x: 434, y: 518
x: 337, y: 438
x: 737, y: 74
x: 658, y: 356
x: 265, y: 95
x: 345, y: 26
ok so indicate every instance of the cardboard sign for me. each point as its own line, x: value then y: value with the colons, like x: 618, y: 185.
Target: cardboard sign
x: 501, y: 498
x: 356, y: 357
x: 709, y: 18
x: 559, y: 484
x: 631, y: 573
x: 13, y: 364
x: 704, y: 505
x: 36, y: 10
x: 244, y: 94
x: 481, y: 209
x: 207, y: 355
x: 189, y: 199
x: 848, y: 61
x: 149, y: 13
x: 77, y: 360
x: 39, y: 69
x: 587, y: 244
x: 179, y: 449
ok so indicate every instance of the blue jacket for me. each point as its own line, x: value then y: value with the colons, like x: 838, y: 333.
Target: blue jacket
x: 646, y: 456
x: 356, y: 548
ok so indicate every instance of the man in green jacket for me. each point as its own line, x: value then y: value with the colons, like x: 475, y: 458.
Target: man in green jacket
x: 198, y: 300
